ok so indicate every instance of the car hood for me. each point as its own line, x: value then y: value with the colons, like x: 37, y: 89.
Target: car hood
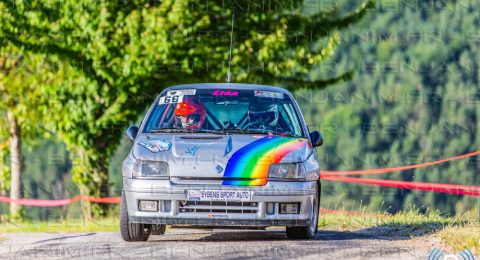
x: 243, y: 158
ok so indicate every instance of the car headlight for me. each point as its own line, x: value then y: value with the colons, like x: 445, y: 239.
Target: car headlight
x: 287, y: 171
x: 150, y: 169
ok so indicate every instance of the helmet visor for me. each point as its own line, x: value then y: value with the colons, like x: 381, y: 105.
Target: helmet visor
x: 189, y: 120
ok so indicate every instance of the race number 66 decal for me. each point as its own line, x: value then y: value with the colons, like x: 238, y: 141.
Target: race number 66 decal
x: 171, y: 99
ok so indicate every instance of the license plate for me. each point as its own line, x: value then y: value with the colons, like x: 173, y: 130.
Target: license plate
x: 219, y: 195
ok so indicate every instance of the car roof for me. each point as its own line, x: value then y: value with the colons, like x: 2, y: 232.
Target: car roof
x: 229, y: 86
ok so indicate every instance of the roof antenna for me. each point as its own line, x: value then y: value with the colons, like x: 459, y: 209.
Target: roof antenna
x: 231, y: 42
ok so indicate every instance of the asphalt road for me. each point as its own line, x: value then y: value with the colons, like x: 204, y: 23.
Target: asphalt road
x: 213, y: 244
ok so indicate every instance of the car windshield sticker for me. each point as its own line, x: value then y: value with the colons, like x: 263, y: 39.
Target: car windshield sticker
x: 156, y: 146
x: 250, y: 164
x: 187, y: 92
x: 268, y: 94
x: 225, y: 93
x: 171, y: 99
x: 176, y: 96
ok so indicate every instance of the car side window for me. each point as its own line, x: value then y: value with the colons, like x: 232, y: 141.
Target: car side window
x: 292, y: 118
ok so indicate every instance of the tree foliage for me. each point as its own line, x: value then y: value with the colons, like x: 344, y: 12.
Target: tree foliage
x: 21, y: 107
x: 121, y: 53
x: 414, y: 99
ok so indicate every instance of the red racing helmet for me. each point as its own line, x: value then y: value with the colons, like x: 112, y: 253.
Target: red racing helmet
x: 190, y: 113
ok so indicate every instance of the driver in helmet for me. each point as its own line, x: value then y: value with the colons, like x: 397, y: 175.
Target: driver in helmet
x: 263, y: 116
x: 190, y: 114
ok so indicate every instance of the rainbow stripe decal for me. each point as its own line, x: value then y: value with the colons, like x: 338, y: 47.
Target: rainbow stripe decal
x: 250, y: 164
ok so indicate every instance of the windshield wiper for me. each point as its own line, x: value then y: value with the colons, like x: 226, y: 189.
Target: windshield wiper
x: 184, y: 130
x: 169, y: 130
x: 245, y: 131
x: 255, y: 131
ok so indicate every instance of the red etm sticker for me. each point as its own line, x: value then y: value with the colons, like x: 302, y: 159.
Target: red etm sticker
x: 226, y: 93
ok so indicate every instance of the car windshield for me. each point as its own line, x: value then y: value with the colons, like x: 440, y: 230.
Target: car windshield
x: 224, y: 111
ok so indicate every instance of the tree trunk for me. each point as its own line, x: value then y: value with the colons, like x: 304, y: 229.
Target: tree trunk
x: 4, y: 180
x: 16, y: 164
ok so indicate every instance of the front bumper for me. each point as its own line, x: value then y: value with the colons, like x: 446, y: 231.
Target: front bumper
x: 252, y: 213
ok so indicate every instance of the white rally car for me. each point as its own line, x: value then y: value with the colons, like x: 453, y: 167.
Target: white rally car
x: 221, y: 155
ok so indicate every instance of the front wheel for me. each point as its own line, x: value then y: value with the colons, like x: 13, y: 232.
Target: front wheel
x: 307, y: 232
x: 132, y: 232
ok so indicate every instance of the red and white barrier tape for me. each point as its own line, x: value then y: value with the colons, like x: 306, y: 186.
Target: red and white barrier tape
x: 401, y: 168
x: 62, y: 202
x: 326, y: 175
x: 425, y: 186
x: 433, y: 187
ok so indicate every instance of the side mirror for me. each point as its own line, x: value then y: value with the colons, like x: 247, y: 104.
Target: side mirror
x: 317, y: 138
x: 131, y: 133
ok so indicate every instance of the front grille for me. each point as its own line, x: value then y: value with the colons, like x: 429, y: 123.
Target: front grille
x: 217, y: 207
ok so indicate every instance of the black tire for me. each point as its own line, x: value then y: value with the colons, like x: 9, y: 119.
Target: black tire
x: 307, y: 232
x: 132, y: 232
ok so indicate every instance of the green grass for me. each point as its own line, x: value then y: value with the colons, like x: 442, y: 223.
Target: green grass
x: 65, y: 226
x: 461, y: 237
x: 456, y: 232
x: 406, y: 218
